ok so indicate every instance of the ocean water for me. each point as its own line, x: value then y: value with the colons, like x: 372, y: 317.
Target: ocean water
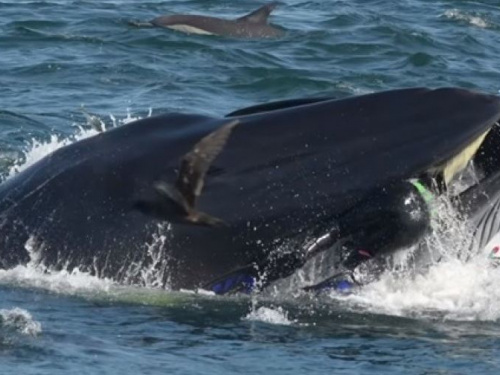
x: 57, y: 57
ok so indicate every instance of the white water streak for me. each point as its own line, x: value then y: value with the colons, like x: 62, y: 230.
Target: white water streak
x: 152, y: 270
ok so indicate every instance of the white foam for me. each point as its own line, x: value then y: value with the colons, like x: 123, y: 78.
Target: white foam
x: 20, y: 320
x: 460, y: 286
x: 455, y: 14
x: 64, y: 281
x: 270, y: 315
x: 151, y: 271
x: 452, y: 289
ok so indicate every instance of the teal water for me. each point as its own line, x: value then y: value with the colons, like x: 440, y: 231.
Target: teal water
x: 57, y: 56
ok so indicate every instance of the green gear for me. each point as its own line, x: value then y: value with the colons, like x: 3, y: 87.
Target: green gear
x: 425, y: 193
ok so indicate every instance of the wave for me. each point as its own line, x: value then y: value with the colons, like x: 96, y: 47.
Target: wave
x: 20, y: 321
x: 470, y: 18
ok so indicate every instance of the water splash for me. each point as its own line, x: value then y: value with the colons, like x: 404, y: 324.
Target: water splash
x: 152, y: 270
x: 37, y: 149
x: 62, y: 281
x: 21, y: 321
x: 451, y: 290
x: 456, y: 284
x: 269, y: 315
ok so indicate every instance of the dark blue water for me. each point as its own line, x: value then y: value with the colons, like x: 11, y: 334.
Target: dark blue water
x: 57, y: 56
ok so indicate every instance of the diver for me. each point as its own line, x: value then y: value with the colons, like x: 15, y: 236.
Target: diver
x: 391, y: 218
x: 388, y: 219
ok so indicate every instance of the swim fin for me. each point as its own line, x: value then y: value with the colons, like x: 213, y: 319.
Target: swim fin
x: 342, y: 282
x: 241, y: 280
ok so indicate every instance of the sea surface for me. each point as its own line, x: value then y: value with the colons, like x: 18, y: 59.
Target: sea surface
x: 62, y: 62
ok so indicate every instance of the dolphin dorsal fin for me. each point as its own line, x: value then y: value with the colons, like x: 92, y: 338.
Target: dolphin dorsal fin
x: 260, y: 15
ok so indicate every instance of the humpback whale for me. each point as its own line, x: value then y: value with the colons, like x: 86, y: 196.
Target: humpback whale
x: 252, y: 25
x: 245, y: 189
x: 480, y: 203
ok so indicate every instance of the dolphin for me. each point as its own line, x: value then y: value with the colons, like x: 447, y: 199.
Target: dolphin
x: 195, y: 197
x: 252, y: 25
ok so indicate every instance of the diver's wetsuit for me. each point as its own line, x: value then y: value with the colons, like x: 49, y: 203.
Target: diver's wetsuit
x: 390, y: 218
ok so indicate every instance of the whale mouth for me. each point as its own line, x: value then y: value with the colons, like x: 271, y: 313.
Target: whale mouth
x: 452, y: 168
x: 479, y: 160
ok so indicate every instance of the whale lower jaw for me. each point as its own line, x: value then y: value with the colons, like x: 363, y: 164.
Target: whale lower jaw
x: 189, y: 29
x: 488, y: 227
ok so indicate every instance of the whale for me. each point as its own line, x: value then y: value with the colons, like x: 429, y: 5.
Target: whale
x: 190, y: 198
x: 479, y: 204
x: 253, y: 25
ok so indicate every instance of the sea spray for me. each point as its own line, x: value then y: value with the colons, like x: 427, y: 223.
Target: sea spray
x: 19, y: 320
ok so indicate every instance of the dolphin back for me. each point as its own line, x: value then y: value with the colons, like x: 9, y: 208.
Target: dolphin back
x: 252, y: 25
